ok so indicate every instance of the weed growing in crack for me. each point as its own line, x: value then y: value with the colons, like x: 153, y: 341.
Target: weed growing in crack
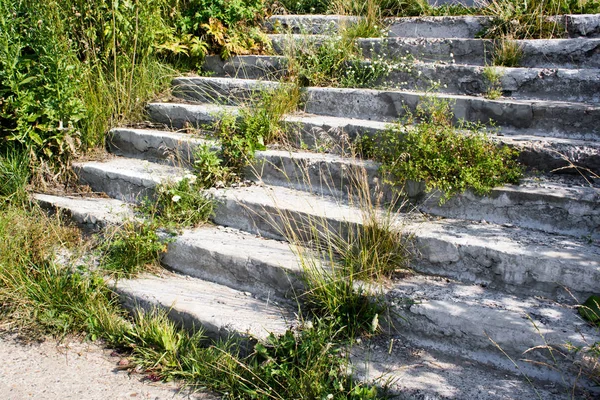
x: 14, y: 176
x: 533, y: 19
x: 240, y: 136
x: 493, y: 78
x: 337, y: 60
x: 179, y: 204
x: 507, y: 53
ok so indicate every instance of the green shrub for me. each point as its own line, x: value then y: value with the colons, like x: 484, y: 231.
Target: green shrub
x: 448, y: 158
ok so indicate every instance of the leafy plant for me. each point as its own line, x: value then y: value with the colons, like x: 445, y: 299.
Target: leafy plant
x: 450, y: 159
x: 179, y: 204
x: 590, y: 309
x: 14, y: 176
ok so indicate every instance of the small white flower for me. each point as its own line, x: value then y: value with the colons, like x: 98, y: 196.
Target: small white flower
x: 191, y: 178
x: 330, y: 396
x: 176, y: 198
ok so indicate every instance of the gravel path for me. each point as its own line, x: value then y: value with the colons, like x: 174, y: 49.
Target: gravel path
x: 74, y: 370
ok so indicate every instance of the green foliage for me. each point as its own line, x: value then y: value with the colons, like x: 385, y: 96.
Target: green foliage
x: 306, y: 365
x: 258, y: 124
x: 493, y: 78
x: 336, y: 61
x: 132, y: 248
x: 450, y: 159
x: 507, y: 53
x: 590, y: 310
x: 39, y: 74
x: 14, y: 176
x: 306, y: 6
x: 180, y: 204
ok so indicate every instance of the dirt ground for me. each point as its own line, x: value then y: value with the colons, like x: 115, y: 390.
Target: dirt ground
x: 75, y: 370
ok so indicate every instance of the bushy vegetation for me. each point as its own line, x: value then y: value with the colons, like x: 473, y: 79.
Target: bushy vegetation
x: 70, y: 70
x: 426, y: 146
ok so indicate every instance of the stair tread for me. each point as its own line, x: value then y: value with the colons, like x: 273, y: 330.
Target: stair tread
x: 220, y: 309
x: 465, y: 310
x: 88, y: 210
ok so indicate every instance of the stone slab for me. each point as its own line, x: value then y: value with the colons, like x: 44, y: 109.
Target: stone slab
x: 127, y: 179
x: 310, y: 24
x: 267, y: 268
x: 91, y: 213
x: 222, y: 311
x: 538, y: 53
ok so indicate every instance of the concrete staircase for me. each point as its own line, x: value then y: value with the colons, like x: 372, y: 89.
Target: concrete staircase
x: 497, y: 275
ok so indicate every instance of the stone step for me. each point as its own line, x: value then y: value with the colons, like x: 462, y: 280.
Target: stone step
x: 411, y: 370
x: 127, y: 179
x: 194, y: 303
x: 90, y: 213
x: 309, y: 24
x: 574, y: 85
x: 268, y: 269
x: 323, y: 133
x: 546, y: 118
x: 246, y: 67
x: 470, y: 26
x: 447, y: 316
x: 558, y: 206
x: 508, y: 258
x: 539, y: 53
x: 261, y: 269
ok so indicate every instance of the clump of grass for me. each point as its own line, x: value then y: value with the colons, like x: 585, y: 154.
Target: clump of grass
x: 14, y: 176
x: 425, y: 146
x: 507, y: 53
x: 494, y: 85
x: 131, y: 248
x: 239, y: 137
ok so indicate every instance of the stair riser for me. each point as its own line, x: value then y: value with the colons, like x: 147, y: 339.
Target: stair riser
x: 536, y: 84
x: 254, y: 275
x: 131, y: 190
x: 246, y: 67
x: 473, y: 336
x: 573, y: 121
x: 559, y: 53
x: 539, y: 155
x: 477, y: 263
x: 544, y: 212
x: 427, y: 27
x: 309, y: 24
x: 472, y: 26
